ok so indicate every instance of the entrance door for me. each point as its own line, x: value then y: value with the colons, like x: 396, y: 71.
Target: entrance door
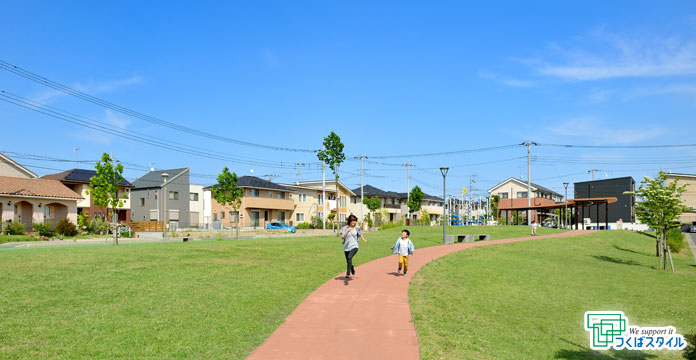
x: 254, y: 218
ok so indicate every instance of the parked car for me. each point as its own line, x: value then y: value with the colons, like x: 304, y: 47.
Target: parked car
x: 281, y: 226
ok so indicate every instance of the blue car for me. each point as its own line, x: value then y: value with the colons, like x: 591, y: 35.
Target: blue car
x: 281, y: 226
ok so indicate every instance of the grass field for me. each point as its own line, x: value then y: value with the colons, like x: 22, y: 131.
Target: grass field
x: 526, y: 300
x: 206, y: 299
x: 16, y: 238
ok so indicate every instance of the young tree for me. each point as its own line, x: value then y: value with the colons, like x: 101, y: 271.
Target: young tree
x: 415, y: 200
x: 103, y: 189
x: 226, y: 192
x: 495, y: 201
x: 333, y: 156
x: 372, y: 204
x: 659, y: 206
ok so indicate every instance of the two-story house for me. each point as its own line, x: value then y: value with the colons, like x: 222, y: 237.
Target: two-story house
x: 309, y: 201
x: 688, y: 197
x: 395, y: 204
x: 78, y: 181
x: 157, y: 190
x: 263, y: 202
x: 515, y: 198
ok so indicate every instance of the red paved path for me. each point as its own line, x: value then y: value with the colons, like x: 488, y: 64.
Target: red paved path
x: 366, y: 317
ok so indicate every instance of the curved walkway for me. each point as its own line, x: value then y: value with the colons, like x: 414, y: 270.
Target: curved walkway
x: 366, y: 317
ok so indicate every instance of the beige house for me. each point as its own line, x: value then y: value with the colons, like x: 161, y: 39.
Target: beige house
x: 11, y: 168
x: 689, y: 196
x: 394, y: 205
x: 517, y: 189
x: 309, y: 201
x: 263, y: 202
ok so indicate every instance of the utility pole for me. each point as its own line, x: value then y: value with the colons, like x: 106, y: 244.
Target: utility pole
x: 408, y: 186
x: 323, y: 192
x: 565, y: 213
x: 298, y: 172
x: 592, y: 171
x: 529, y: 177
x: 444, y: 171
x: 362, y: 196
x: 471, y: 190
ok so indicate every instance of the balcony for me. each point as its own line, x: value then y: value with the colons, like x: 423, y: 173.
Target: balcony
x: 267, y: 203
x: 392, y: 206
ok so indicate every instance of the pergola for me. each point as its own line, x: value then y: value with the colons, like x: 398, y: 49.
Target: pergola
x: 574, y: 204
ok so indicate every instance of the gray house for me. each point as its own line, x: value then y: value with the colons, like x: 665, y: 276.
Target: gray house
x: 148, y: 203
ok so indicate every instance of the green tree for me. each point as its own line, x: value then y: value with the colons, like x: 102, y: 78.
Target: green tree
x: 415, y: 200
x: 103, y: 189
x: 332, y: 155
x: 659, y: 204
x: 372, y: 203
x: 495, y: 201
x: 226, y: 192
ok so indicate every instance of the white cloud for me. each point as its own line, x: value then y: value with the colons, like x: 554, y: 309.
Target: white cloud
x: 89, y: 88
x: 617, y: 57
x: 111, y: 120
x: 597, y: 131
x: 507, y: 81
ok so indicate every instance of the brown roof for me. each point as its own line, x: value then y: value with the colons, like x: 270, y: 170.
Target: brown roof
x: 36, y: 188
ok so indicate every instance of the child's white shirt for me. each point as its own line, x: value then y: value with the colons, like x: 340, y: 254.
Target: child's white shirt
x: 403, y: 246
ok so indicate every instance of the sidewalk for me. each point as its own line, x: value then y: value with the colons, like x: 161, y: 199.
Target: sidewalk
x: 364, y: 317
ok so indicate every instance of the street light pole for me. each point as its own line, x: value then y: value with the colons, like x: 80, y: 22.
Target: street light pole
x: 565, y: 213
x: 164, y: 200
x: 444, y: 171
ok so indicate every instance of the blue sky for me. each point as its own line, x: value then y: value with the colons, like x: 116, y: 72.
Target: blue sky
x: 390, y: 78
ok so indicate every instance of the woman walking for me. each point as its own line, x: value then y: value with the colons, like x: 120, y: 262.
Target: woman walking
x: 351, y: 234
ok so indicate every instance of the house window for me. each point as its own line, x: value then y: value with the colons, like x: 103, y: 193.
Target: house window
x: 521, y: 194
x: 49, y: 212
x: 153, y: 215
x: 255, y: 192
x: 155, y: 195
x: 222, y: 214
x: 193, y: 196
x: 233, y: 216
x: 299, y: 217
x: 342, y: 218
x: 270, y: 194
x: 281, y: 216
x: 302, y: 198
x: 321, y: 199
x: 503, y: 195
x: 142, y: 201
x: 342, y: 201
x: 173, y: 195
x: 280, y: 195
x: 215, y: 217
x: 174, y: 215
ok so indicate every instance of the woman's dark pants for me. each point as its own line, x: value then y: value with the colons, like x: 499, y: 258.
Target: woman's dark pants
x: 349, y: 259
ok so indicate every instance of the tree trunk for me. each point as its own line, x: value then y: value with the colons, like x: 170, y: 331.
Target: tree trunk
x: 236, y: 237
x: 657, y: 246
x: 114, y: 215
x: 338, y: 208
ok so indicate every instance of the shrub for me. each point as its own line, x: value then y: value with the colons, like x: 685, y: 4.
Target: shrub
x: 368, y: 220
x: 675, y: 239
x: 690, y: 349
x: 83, y: 221
x: 98, y: 226
x: 43, y: 229
x: 14, y: 228
x: 315, y: 222
x: 66, y: 228
x: 303, y: 225
x: 386, y: 226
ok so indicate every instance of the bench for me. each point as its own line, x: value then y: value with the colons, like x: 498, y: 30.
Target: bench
x: 449, y: 239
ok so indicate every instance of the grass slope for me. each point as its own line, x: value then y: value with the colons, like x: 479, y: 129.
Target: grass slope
x: 526, y: 300
x: 206, y: 299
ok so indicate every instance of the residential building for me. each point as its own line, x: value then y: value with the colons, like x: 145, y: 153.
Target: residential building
x: 688, y: 197
x: 196, y: 206
x: 309, y: 201
x: 394, y: 204
x: 517, y: 189
x: 263, y: 202
x: 151, y: 195
x: 622, y: 209
x: 11, y: 168
x: 78, y: 181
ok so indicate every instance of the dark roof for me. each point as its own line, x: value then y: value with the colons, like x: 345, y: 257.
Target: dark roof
x: 610, y: 179
x: 81, y: 176
x: 254, y: 182
x: 370, y: 190
x: 539, y: 187
x: 154, y: 178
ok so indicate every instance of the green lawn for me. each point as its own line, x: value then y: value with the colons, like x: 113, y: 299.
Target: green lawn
x: 526, y: 300
x: 16, y: 238
x: 206, y: 299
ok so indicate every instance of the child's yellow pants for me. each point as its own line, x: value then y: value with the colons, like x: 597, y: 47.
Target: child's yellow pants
x: 403, y: 262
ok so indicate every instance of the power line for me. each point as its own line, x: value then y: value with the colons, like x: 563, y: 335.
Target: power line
x: 81, y: 95
x: 455, y: 152
x: 619, y: 146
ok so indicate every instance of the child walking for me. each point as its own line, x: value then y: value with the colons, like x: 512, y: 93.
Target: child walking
x: 534, y: 227
x: 403, y: 247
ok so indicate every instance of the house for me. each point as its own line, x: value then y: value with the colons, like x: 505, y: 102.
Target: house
x: 78, y: 181
x: 395, y: 204
x: 309, y: 201
x: 622, y: 209
x: 515, y: 198
x: 688, y: 197
x: 196, y: 206
x: 263, y: 201
x: 11, y: 168
x: 148, y: 201
x: 29, y: 200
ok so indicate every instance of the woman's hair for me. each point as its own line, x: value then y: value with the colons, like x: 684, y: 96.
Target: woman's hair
x: 351, y: 218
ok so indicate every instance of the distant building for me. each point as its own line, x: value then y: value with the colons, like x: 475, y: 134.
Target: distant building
x: 148, y: 199
x: 622, y: 209
x: 688, y: 197
x: 395, y: 204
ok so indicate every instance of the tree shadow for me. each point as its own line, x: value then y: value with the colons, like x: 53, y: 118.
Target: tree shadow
x: 346, y: 280
x: 616, y: 260
x: 648, y: 234
x: 586, y: 353
x: 629, y: 250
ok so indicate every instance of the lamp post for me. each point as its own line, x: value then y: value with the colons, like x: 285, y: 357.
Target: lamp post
x: 444, y: 171
x: 165, y: 194
x: 565, y: 213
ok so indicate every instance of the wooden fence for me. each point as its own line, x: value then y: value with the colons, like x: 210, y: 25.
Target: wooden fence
x: 147, y: 226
